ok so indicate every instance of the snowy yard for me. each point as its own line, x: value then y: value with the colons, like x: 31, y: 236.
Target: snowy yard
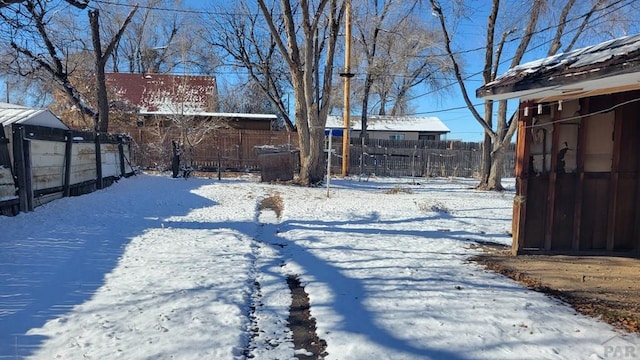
x: 161, y: 268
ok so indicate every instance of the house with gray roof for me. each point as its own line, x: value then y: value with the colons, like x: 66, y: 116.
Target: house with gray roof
x: 386, y: 127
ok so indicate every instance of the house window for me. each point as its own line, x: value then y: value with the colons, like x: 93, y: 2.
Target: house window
x: 396, y: 137
x: 427, y: 137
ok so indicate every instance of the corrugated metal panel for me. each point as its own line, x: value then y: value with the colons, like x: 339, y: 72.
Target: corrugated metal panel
x: 16, y: 114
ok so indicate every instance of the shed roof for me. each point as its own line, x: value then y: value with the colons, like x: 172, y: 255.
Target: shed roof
x: 16, y: 114
x: 392, y: 123
x: 609, y: 67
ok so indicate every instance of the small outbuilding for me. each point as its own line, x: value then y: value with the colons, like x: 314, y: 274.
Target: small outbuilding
x: 578, y: 150
x: 42, y: 160
x: 10, y: 115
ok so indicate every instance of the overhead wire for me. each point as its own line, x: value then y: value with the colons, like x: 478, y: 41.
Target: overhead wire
x: 467, y: 78
x: 509, y: 59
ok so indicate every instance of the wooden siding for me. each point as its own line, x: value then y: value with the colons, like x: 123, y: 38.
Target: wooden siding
x: 47, y: 164
x: 83, y: 166
x: 7, y: 187
x: 51, y: 163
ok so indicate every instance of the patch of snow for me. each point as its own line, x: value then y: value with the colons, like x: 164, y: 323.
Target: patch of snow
x: 154, y: 267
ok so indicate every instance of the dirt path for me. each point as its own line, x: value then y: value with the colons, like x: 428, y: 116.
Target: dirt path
x: 302, y: 325
x: 598, y: 286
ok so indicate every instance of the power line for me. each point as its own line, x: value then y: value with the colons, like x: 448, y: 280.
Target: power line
x: 461, y: 52
x: 528, y: 50
x: 166, y: 9
x: 584, y: 115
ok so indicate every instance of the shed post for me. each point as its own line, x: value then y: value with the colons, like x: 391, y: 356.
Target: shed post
x: 20, y: 159
x: 615, y: 176
x: 5, y: 159
x: 123, y: 170
x: 67, y: 163
x: 553, y: 177
x: 522, y: 177
x: 99, y: 183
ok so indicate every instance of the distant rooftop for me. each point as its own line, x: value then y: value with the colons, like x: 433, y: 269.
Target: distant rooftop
x: 215, y: 114
x: 392, y: 123
x: 165, y: 92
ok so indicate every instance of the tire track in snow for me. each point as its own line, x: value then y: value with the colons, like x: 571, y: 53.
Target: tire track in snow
x: 269, y: 335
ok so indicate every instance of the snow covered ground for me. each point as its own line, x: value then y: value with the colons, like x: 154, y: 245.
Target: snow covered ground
x: 160, y: 268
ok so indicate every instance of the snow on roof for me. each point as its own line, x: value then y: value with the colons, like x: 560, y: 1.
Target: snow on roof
x: 392, y: 123
x: 190, y: 112
x: 16, y: 114
x: 166, y: 92
x: 576, y: 67
x: 580, y: 57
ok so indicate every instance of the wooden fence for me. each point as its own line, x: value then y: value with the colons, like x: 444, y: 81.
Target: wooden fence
x: 39, y: 164
x: 237, y: 150
x: 226, y: 149
x: 416, y: 158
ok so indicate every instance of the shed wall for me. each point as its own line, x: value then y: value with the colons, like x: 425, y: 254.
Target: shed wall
x: 579, y: 184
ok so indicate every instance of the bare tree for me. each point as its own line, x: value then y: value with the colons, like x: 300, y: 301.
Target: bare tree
x: 156, y: 41
x: 397, y: 51
x: 40, y: 46
x: 101, y: 57
x: 498, y: 135
x: 45, y: 44
x: 255, y: 50
x: 307, y: 44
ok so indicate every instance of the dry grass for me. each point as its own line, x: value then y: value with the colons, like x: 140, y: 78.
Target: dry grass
x: 437, y: 207
x: 399, y: 190
x: 273, y: 202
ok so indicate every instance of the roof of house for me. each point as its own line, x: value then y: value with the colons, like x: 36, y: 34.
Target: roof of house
x: 392, y: 123
x: 609, y: 67
x: 185, y: 94
x: 16, y: 114
x: 218, y: 114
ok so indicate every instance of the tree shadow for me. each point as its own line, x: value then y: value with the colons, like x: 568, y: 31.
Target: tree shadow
x: 47, y: 267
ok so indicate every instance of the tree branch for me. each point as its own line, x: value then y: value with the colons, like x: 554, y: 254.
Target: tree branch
x: 456, y: 69
x: 556, y: 42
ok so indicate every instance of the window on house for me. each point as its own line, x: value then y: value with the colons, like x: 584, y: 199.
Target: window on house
x: 427, y: 137
x: 396, y: 137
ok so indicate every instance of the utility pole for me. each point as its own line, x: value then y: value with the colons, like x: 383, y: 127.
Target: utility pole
x: 347, y: 75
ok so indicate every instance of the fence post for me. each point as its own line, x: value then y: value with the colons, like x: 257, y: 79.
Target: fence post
x: 99, y: 183
x: 23, y: 172
x: 67, y: 164
x: 123, y: 170
x: 413, y: 161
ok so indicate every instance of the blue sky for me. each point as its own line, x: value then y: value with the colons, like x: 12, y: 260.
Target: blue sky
x: 447, y: 105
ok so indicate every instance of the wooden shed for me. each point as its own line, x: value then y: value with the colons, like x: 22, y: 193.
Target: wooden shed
x: 42, y: 160
x: 578, y: 150
x: 14, y: 115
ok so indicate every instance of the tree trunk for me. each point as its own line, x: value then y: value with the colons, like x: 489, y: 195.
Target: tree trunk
x: 485, y: 161
x: 485, y: 166
x: 101, y: 121
x: 494, y: 182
